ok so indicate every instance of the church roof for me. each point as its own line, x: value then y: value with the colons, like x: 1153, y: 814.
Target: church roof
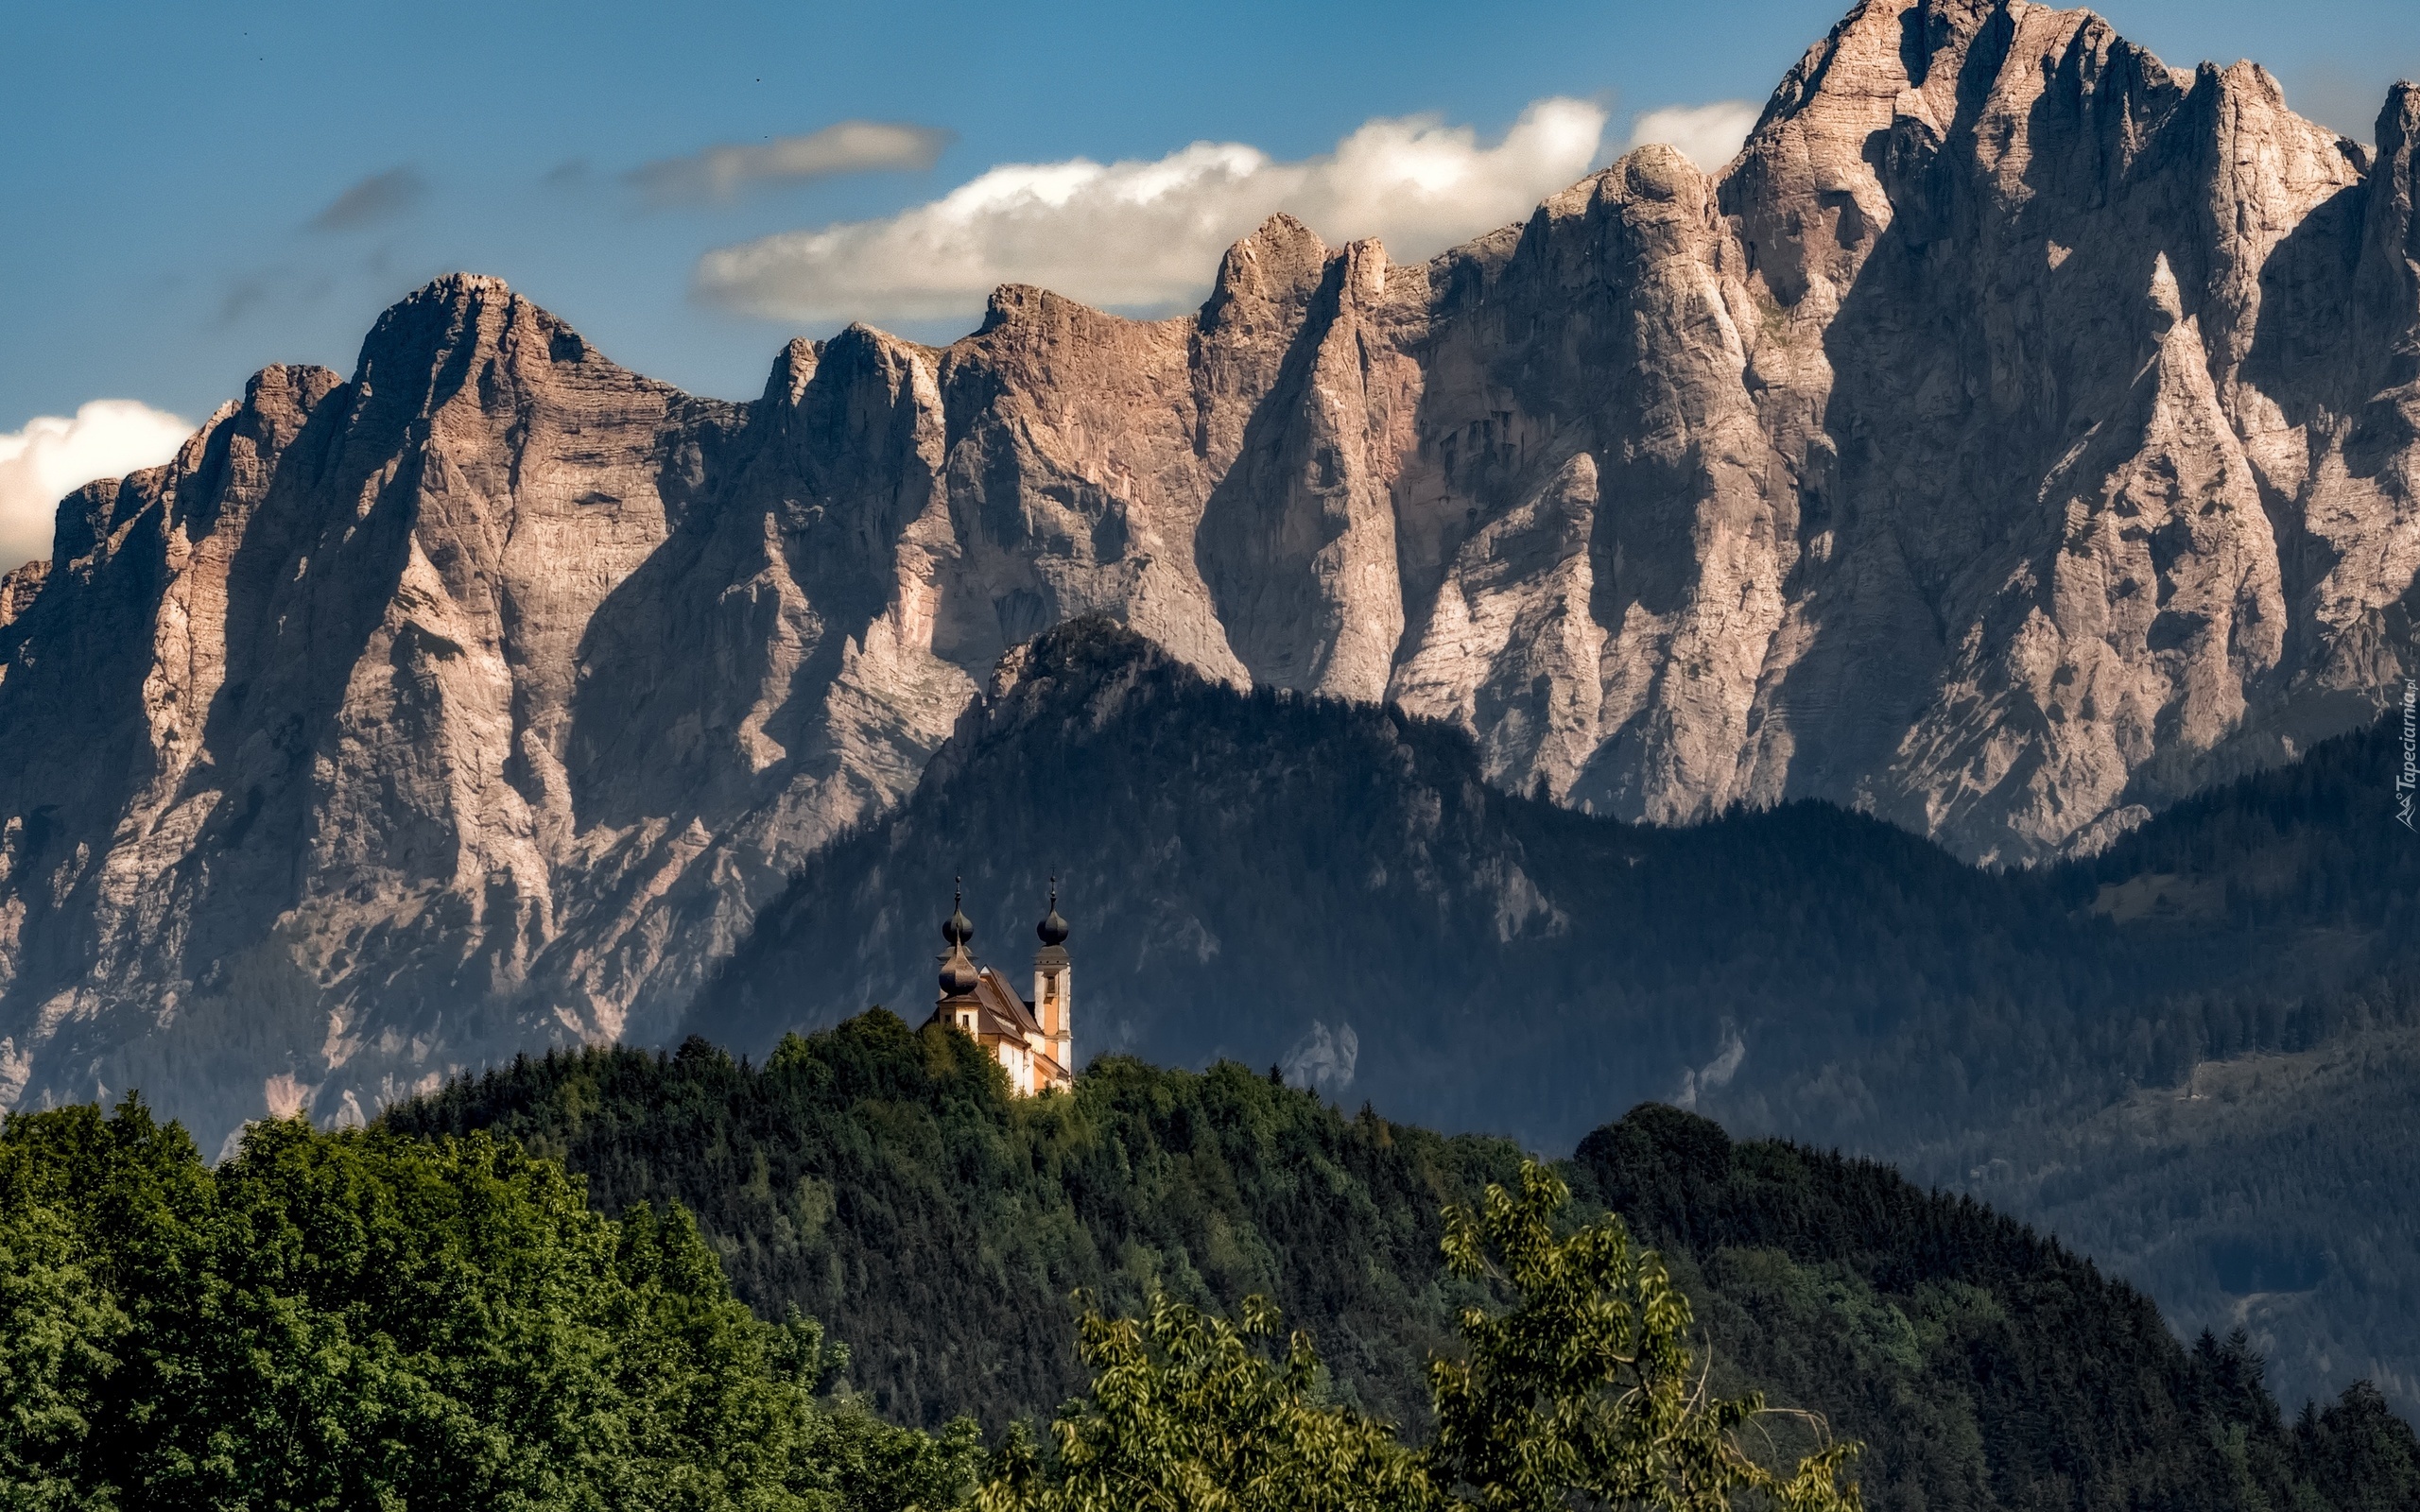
x: 999, y: 1011
x: 1002, y: 1004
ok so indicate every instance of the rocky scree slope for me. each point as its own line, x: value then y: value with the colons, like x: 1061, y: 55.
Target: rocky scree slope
x: 2015, y: 436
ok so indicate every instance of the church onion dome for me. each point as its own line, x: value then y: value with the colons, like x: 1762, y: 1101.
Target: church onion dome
x: 957, y: 972
x: 1052, y: 929
x: 956, y: 929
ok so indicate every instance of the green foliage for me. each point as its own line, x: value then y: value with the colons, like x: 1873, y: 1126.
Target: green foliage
x: 363, y: 1320
x: 2272, y: 1192
x: 2357, y: 1454
x: 1513, y: 966
x: 1583, y: 1394
x: 1579, y: 1396
x: 57, y: 1326
x: 883, y: 1180
x: 1982, y: 1365
x: 1184, y: 1412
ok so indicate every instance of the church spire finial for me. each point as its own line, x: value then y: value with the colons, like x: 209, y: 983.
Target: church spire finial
x: 958, y: 967
x: 1053, y: 929
x: 957, y: 929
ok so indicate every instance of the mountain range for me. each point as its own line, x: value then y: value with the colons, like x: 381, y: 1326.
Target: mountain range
x: 2013, y: 440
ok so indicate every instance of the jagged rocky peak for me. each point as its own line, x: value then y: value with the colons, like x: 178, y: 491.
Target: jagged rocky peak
x: 457, y: 312
x: 1268, y: 276
x: 793, y: 370
x: 2015, y: 436
x: 18, y: 587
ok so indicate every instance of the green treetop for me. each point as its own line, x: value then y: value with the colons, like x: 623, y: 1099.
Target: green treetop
x: 1581, y: 1395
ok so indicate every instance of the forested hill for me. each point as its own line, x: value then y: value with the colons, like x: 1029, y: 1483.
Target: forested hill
x: 1335, y: 888
x: 887, y: 1184
x: 1932, y: 1323
x: 882, y: 1180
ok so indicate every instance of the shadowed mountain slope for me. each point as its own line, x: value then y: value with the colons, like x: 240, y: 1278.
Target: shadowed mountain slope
x: 1254, y: 873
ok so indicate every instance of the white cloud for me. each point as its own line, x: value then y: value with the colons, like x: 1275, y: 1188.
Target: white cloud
x: 1150, y: 234
x: 850, y: 146
x: 51, y: 457
x: 1707, y: 135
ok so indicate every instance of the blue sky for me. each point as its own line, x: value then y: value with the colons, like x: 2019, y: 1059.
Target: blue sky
x: 166, y: 163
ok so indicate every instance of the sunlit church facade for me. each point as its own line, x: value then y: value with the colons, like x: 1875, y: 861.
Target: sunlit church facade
x: 1031, y: 1038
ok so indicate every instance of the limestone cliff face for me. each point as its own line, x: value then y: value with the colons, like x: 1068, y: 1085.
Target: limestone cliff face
x: 2010, y: 441
x: 18, y: 588
x: 2018, y: 435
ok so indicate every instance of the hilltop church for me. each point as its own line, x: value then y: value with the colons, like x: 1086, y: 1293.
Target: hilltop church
x: 1030, y: 1037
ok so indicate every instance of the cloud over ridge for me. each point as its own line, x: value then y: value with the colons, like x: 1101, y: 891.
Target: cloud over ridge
x: 1708, y: 135
x: 52, y: 456
x: 721, y: 171
x: 1147, y: 234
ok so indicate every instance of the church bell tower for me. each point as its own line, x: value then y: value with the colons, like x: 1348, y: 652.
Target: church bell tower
x: 957, y: 974
x: 1054, y: 986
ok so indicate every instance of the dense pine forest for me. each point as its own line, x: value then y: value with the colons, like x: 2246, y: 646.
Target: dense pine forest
x: 1337, y: 890
x: 359, y: 1318
x: 883, y: 1182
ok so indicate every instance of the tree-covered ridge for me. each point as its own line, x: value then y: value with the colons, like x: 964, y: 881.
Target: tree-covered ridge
x: 2311, y: 845
x: 883, y: 1180
x: 1969, y: 1351
x: 357, y: 1320
x: 1251, y: 874
x: 2270, y: 1191
x: 1510, y: 964
x: 338, y: 1320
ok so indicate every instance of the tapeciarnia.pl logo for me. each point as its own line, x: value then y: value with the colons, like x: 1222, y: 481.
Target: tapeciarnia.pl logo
x: 2408, y: 779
